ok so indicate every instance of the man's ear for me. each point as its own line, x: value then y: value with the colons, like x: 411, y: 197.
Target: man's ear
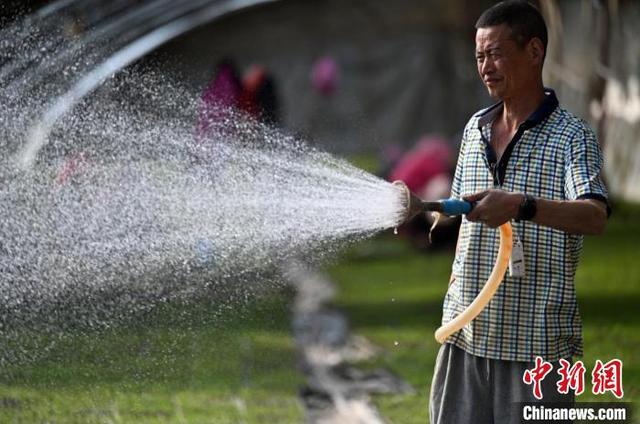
x: 535, y: 49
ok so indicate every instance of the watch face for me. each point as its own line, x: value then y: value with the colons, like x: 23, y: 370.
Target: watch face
x: 529, y: 207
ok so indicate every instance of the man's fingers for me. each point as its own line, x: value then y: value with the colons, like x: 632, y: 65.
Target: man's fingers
x: 476, y: 196
x: 478, y: 208
x: 492, y: 224
x: 473, y: 215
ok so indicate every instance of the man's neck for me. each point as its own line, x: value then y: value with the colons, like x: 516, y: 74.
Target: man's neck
x: 517, y: 109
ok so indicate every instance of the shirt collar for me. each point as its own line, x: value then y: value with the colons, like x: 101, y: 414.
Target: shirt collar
x: 546, y: 107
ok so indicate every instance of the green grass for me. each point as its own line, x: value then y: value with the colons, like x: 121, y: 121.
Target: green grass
x: 165, y: 370
x: 243, y: 369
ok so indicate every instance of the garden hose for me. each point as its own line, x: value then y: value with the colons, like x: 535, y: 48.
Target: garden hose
x: 487, y: 292
x: 453, y: 207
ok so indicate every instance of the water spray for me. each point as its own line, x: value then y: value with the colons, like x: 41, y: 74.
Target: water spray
x: 453, y: 207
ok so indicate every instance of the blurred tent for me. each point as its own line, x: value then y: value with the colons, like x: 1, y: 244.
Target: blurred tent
x: 594, y: 61
x: 407, y: 68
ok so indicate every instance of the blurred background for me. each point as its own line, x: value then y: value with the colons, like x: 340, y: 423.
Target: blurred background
x: 390, y: 86
x: 395, y: 73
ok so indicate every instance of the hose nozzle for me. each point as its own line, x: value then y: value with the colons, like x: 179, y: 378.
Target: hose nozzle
x: 411, y: 203
x: 414, y: 205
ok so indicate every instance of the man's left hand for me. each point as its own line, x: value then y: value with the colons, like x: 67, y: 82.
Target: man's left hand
x: 494, y: 207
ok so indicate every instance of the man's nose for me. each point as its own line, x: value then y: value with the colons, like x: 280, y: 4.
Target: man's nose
x: 486, y: 66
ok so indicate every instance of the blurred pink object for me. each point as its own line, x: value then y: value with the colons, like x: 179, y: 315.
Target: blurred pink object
x: 72, y: 166
x: 324, y: 75
x: 430, y: 158
x: 219, y: 99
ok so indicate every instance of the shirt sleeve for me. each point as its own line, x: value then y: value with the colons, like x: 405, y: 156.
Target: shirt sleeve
x: 583, y: 169
x: 456, y: 184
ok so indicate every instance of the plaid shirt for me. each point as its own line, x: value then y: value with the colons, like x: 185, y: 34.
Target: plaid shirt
x: 553, y: 155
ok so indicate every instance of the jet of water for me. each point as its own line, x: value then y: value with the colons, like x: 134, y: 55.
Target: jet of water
x: 127, y: 210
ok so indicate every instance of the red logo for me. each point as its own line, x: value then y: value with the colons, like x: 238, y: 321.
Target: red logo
x: 536, y: 375
x: 571, y: 377
x: 607, y: 378
x: 604, y: 378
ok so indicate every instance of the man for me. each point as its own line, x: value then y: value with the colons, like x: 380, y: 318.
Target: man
x: 526, y: 161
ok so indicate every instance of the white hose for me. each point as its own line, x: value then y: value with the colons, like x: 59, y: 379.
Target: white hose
x: 487, y: 292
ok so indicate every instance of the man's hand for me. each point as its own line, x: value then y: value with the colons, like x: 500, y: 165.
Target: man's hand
x: 494, y: 207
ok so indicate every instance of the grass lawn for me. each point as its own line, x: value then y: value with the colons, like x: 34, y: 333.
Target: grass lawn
x: 238, y: 369
x: 242, y: 369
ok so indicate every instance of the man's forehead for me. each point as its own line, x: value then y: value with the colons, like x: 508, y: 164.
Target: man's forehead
x: 493, y: 36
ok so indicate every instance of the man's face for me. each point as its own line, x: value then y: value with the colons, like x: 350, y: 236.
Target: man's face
x: 505, y: 68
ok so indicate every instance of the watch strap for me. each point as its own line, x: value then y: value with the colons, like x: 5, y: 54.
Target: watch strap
x: 527, y: 209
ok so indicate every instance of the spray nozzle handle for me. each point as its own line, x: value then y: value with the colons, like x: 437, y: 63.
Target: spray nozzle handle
x: 454, y: 207
x: 450, y: 207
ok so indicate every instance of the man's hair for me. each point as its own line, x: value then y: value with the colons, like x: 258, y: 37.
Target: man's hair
x: 525, y: 21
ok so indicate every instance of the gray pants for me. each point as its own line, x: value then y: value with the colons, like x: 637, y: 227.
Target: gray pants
x: 475, y: 390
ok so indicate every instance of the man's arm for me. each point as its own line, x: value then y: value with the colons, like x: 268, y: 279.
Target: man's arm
x: 495, y: 207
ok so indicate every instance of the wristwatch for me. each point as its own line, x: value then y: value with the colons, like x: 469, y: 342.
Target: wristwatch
x: 527, y: 209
